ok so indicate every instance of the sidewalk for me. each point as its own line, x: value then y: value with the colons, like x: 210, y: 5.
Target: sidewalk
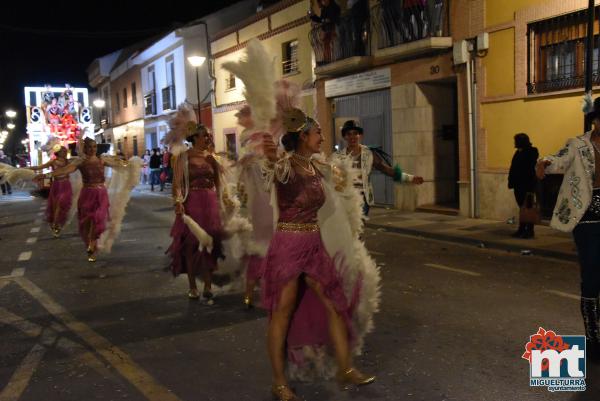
x: 477, y: 232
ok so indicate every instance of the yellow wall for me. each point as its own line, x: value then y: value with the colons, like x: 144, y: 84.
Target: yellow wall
x: 499, y: 63
x: 547, y: 121
x: 501, y: 11
x: 224, y: 43
x: 291, y: 13
x: 273, y: 47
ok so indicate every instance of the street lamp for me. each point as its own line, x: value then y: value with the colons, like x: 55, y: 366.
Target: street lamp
x: 10, y: 113
x: 99, y: 103
x: 196, y: 62
x: 10, y: 126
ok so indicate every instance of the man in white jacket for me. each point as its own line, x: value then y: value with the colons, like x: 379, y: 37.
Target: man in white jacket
x: 577, y: 210
x: 364, y: 159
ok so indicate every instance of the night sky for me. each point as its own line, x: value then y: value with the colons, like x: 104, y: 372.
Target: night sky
x: 55, y: 41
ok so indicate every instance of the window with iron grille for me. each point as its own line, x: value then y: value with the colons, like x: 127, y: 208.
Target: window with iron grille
x: 556, y: 53
x: 230, y: 81
x: 289, y: 57
x: 117, y: 102
x: 124, y: 98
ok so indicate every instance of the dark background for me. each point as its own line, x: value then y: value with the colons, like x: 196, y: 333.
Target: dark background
x: 54, y: 41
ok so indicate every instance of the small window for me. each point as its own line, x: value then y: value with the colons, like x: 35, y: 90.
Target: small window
x: 117, y: 102
x: 133, y: 94
x: 289, y: 57
x: 230, y: 81
x: 124, y: 97
x: 135, y: 146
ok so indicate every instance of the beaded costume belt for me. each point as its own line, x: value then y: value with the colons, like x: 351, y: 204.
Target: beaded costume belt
x: 97, y: 185
x: 198, y: 188
x: 61, y: 178
x: 297, y: 227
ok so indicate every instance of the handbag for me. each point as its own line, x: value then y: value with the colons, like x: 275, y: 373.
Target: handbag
x: 530, y: 210
x: 163, y: 177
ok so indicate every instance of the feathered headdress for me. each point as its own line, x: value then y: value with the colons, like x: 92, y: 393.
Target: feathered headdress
x: 52, y: 146
x: 256, y: 72
x: 182, y: 125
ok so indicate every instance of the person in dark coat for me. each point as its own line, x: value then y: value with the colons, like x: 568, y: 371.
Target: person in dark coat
x: 522, y: 178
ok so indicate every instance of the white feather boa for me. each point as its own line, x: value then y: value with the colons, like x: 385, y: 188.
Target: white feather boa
x: 16, y: 176
x: 76, y: 185
x: 123, y: 180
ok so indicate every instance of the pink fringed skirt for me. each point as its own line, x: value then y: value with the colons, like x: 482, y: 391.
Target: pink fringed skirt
x: 291, y: 256
x: 202, y: 205
x: 92, y: 207
x: 59, y: 202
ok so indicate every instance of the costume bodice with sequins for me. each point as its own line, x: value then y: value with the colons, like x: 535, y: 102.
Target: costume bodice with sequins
x: 300, y: 198
x: 92, y: 171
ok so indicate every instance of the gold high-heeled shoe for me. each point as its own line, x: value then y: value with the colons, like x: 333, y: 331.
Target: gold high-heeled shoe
x: 248, y: 302
x: 91, y: 254
x: 353, y: 377
x: 208, y: 296
x: 55, y: 231
x: 283, y: 392
x: 193, y: 294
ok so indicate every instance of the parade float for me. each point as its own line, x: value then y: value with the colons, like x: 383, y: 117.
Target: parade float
x: 62, y: 113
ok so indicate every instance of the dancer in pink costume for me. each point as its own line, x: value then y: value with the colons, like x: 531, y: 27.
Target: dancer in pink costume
x: 320, y: 285
x: 94, y: 206
x: 252, y: 190
x: 61, y: 192
x: 202, y: 204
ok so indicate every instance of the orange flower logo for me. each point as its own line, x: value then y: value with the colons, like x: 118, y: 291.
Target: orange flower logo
x: 544, y: 340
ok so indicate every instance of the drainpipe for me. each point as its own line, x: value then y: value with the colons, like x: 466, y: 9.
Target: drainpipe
x: 470, y: 125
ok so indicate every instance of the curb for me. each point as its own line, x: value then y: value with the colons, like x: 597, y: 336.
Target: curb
x: 475, y: 242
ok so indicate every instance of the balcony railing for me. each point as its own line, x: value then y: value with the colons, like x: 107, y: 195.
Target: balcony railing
x: 168, y: 98
x: 349, y: 37
x: 404, y: 22
x: 150, y: 103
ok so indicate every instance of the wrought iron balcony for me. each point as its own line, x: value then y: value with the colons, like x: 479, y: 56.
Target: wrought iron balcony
x: 349, y: 37
x: 409, y: 21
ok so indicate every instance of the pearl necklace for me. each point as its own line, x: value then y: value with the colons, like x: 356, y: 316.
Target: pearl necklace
x: 310, y: 169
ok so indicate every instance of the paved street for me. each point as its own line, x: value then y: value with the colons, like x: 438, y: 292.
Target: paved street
x: 453, y: 323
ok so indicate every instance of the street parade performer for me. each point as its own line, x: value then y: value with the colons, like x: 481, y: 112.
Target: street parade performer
x: 257, y: 199
x: 100, y: 210
x: 577, y: 210
x: 205, y: 214
x: 364, y: 159
x: 320, y: 285
x: 61, y: 192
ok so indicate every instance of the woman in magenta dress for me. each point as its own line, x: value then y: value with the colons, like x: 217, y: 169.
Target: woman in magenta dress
x: 196, y: 191
x: 312, y: 296
x: 93, y: 203
x: 61, y: 193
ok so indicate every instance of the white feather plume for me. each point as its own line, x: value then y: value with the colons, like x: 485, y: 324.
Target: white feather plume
x: 257, y: 72
x: 205, y: 241
x: 19, y: 175
x: 76, y: 185
x: 123, y: 180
